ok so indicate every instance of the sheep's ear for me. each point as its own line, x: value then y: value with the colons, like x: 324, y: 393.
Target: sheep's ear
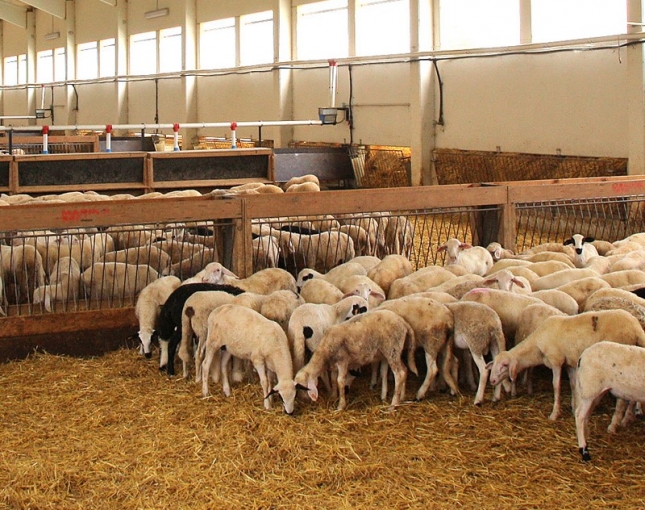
x: 489, y: 281
x: 228, y: 272
x: 568, y: 241
x: 512, y: 370
x: 441, y: 248
x: 498, y: 253
x: 301, y: 387
x: 489, y: 366
x: 517, y: 282
x: 376, y: 294
x: 465, y: 246
x: 588, y: 240
x: 312, y: 389
x: 272, y: 392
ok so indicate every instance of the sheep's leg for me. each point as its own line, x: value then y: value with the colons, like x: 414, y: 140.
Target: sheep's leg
x: 557, y: 379
x: 341, y: 380
x: 199, y: 358
x: 582, y: 419
x: 630, y: 414
x: 324, y: 375
x: 375, y: 374
x: 571, y: 371
x: 448, y: 371
x: 216, y: 367
x: 225, y: 358
x: 260, y: 368
x: 206, y: 366
x: 619, y: 415
x: 238, y: 370
x: 431, y: 373
x: 163, y: 356
x: 384, y: 368
x: 483, y: 378
x: 400, y: 376
x: 469, y: 370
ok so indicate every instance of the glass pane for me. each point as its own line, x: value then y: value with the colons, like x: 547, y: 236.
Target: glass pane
x: 60, y: 65
x: 478, y: 24
x: 256, y: 38
x: 217, y: 44
x: 11, y: 71
x: 170, y: 54
x: 22, y: 69
x: 87, y: 62
x: 557, y: 20
x: 45, y: 66
x: 382, y: 27
x: 322, y: 30
x: 107, y: 58
x: 143, y: 53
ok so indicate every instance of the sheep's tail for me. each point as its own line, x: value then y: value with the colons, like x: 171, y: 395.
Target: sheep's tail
x: 411, y: 341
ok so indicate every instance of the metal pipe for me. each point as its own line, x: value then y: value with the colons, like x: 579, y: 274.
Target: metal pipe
x: 333, y: 81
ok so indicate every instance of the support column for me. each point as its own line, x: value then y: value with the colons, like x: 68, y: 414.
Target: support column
x: 70, y: 52
x: 189, y: 34
x: 283, y: 77
x: 636, y: 93
x: 122, y: 116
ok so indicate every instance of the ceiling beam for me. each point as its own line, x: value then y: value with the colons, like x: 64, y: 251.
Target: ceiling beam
x: 53, y: 7
x: 14, y: 14
x: 109, y: 2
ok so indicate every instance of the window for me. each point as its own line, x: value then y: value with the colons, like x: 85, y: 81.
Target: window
x: 170, y: 52
x: 45, y: 66
x: 217, y: 44
x: 556, y: 20
x: 477, y: 24
x: 382, y: 27
x: 322, y: 30
x: 143, y: 53
x: 107, y: 58
x: 87, y: 63
x: 60, y: 64
x: 256, y: 38
x: 11, y: 70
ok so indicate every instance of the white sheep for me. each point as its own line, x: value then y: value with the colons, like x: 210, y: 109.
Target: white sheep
x: 367, y: 261
x: 421, y: 280
x: 625, y: 278
x: 320, y: 291
x: 606, y: 367
x: 558, y: 342
x: 613, y: 293
x: 559, y: 278
x: 64, y: 284
x: 558, y: 299
x: 547, y: 267
x: 235, y: 330
x: 336, y: 276
x: 632, y: 260
x: 478, y: 329
x: 506, y: 280
x: 148, y: 306
x: 498, y: 252
x: 309, y: 321
x: 475, y: 259
x: 301, y: 179
x: 359, y: 285
x: 391, y: 268
x: 116, y: 281
x: 266, y: 252
x: 262, y: 282
x: 583, y: 248
x: 149, y: 255
x: 581, y: 289
x: 373, y: 336
x: 22, y: 271
x: 433, y: 324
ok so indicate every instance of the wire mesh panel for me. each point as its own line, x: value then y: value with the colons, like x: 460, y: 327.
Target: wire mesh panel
x: 381, y: 166
x: 79, y: 269
x: 609, y: 219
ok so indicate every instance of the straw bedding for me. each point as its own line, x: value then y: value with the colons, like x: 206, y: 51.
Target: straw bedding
x: 112, y: 433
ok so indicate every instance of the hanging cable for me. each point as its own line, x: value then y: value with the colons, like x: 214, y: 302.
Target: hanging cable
x: 440, y: 83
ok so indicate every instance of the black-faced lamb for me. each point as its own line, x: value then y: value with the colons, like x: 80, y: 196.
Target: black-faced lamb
x: 583, y: 247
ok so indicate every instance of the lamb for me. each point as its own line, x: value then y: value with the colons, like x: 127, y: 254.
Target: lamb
x: 367, y: 261
x: 506, y: 280
x: 475, y: 259
x: 606, y: 367
x: 116, y: 281
x: 148, y: 308
x: 560, y: 340
x: 336, y: 276
x: 320, y: 291
x: 309, y: 321
x: 498, y: 252
x: 239, y: 331
x: 362, y: 240
x: 618, y: 303
x: 169, y: 322
x: 399, y: 236
x: 478, y: 328
x: 391, y: 268
x: 373, y: 336
x: 149, y: 255
x: 558, y: 299
x: 581, y: 289
x: 625, y: 278
x: 276, y: 306
x: 613, y: 293
x: 583, y: 248
x: 421, y: 280
x: 359, y: 285
x: 22, y: 271
x: 262, y: 282
x: 301, y: 179
x: 432, y: 323
x: 632, y: 260
x: 266, y: 252
x: 64, y: 284
x: 559, y: 278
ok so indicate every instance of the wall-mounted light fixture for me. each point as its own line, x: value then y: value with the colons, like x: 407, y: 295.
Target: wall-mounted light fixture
x: 52, y: 35
x: 158, y: 13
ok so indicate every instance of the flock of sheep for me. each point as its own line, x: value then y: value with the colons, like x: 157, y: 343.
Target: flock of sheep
x: 574, y: 305
x: 346, y: 296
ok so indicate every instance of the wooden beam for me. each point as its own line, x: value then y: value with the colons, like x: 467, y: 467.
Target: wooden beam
x: 53, y: 7
x: 14, y: 14
x: 109, y: 2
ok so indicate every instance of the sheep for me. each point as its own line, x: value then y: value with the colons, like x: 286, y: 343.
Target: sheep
x: 581, y: 289
x: 276, y: 306
x: 367, y: 261
x: 508, y: 306
x: 391, y: 268
x: 192, y: 265
x: 399, y: 236
x: 266, y: 252
x: 320, y: 291
x: 336, y: 276
x: 373, y: 336
x: 583, y: 248
x: 148, y: 307
x: 508, y: 264
x: 632, y: 260
x: 116, y: 281
x: 478, y: 328
x: 498, y: 252
x: 558, y: 299
x: 606, y: 367
x: 625, y: 278
x: 421, y: 280
x: 321, y: 251
x: 476, y: 259
x: 304, y: 187
x: 602, y: 247
x: 550, y: 247
x: 22, y: 271
x: 239, y: 331
x: 613, y: 293
x: 599, y: 264
x: 560, y: 340
x: 551, y: 256
x: 363, y: 286
x: 506, y: 280
x: 149, y: 255
x: 169, y: 322
x: 432, y: 323
x: 309, y: 321
x: 559, y: 278
x: 262, y: 282
x: 301, y: 179
x: 64, y: 284
x: 362, y: 240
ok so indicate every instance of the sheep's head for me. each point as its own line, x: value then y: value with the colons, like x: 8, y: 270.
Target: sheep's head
x: 499, y: 368
x: 452, y: 248
x: 287, y: 390
x: 304, y: 276
x: 216, y: 273
x: 307, y: 381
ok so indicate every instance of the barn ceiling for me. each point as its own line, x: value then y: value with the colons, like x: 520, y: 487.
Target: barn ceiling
x: 15, y: 11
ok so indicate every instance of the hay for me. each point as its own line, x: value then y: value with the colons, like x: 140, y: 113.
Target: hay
x: 111, y: 432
